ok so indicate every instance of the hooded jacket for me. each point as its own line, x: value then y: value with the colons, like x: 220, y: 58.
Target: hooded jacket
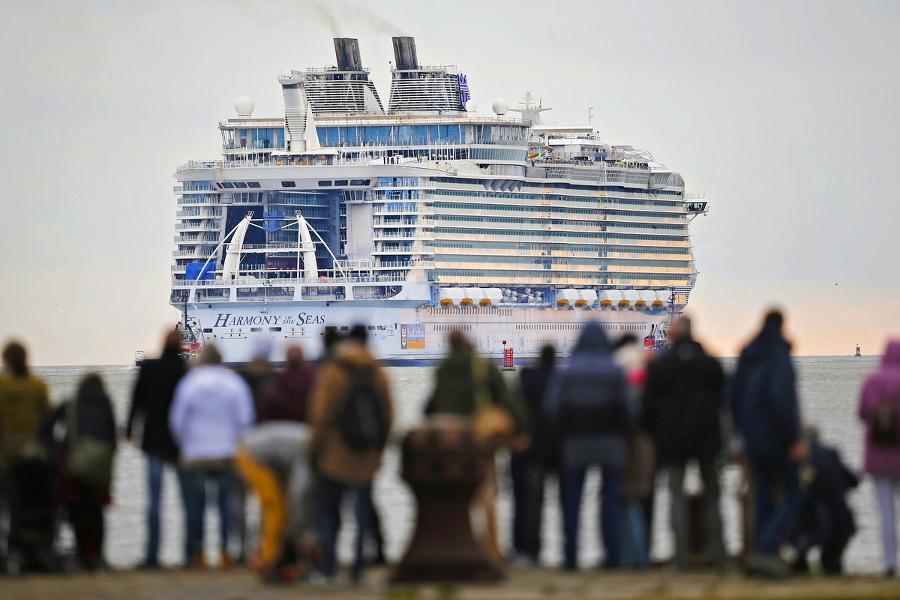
x: 683, y: 403
x: 884, y: 383
x: 332, y: 457
x: 151, y: 401
x: 764, y: 397
x: 454, y: 389
x: 212, y: 408
x: 587, y: 405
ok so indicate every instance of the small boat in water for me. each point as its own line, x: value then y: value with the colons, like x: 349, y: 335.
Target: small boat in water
x: 139, y: 357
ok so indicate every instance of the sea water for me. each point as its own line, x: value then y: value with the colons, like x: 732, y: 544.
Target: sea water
x: 829, y: 390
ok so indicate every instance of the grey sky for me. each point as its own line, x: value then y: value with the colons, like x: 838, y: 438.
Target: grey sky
x: 784, y: 113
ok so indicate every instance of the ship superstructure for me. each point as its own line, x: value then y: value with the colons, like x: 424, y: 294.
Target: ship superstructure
x: 422, y: 217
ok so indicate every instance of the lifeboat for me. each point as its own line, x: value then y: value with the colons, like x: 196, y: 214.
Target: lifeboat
x: 586, y: 298
x: 609, y: 299
x: 567, y: 298
x: 451, y: 297
x: 630, y: 299
x: 472, y: 297
x: 662, y: 297
x: 491, y: 296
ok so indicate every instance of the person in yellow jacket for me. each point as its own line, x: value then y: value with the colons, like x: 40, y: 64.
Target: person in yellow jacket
x: 23, y: 407
x: 272, y: 458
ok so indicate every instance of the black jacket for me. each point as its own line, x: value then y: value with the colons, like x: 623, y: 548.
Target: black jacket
x: 683, y: 401
x: 825, y: 515
x: 534, y: 386
x: 764, y: 397
x: 94, y: 418
x: 151, y: 401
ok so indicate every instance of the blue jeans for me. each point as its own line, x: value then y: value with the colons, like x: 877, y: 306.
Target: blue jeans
x: 634, y: 534
x: 572, y: 484
x: 155, y: 470
x: 775, y: 523
x: 329, y: 495
x: 194, y: 487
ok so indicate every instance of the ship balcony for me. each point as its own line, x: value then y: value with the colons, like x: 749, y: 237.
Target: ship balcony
x: 416, y: 263
x: 388, y: 222
x: 647, y: 255
x: 193, y: 253
x: 403, y: 248
x: 195, y: 238
x: 649, y: 243
x: 400, y: 208
x: 678, y: 220
x: 381, y: 235
x: 198, y: 213
x: 637, y: 269
x: 648, y: 230
x: 197, y: 199
x: 197, y: 226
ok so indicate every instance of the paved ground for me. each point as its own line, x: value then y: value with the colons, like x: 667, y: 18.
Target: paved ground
x: 239, y: 584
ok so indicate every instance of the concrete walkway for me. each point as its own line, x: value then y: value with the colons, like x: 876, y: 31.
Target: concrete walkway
x: 239, y: 584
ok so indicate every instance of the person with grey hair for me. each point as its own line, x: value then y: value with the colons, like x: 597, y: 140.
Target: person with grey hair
x: 213, y: 406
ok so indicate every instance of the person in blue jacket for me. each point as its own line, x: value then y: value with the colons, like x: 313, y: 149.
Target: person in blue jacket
x: 766, y: 413
x: 588, y: 409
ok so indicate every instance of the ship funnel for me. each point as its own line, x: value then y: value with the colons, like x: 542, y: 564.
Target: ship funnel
x: 405, y: 53
x: 347, y: 52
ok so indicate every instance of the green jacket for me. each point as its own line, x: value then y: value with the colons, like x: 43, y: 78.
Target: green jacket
x: 23, y: 406
x: 454, y: 390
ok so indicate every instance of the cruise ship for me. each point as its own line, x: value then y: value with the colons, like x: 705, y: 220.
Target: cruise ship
x: 417, y: 216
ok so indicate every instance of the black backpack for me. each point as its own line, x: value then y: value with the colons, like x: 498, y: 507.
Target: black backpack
x: 884, y: 426
x: 362, y: 420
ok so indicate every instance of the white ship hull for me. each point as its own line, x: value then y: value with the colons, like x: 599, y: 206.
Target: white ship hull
x: 404, y: 335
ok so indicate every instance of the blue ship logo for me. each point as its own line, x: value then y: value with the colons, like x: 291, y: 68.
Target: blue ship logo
x: 274, y: 221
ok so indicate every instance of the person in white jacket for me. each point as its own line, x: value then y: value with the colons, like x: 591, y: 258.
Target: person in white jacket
x: 212, y: 407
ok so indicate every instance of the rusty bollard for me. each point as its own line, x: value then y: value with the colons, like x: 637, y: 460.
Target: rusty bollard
x: 444, y: 465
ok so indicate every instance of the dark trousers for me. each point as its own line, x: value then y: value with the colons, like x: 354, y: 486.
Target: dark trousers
x: 775, y: 521
x: 329, y: 497
x: 373, y: 532
x: 194, y: 487
x: 709, y: 473
x: 528, y: 495
x: 87, y: 523
x: 572, y: 484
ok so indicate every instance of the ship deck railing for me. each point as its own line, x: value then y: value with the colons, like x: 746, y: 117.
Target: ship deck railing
x: 275, y: 282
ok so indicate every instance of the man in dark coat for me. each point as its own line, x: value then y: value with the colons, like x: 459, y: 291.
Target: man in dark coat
x: 588, y: 409
x: 767, y: 415
x: 682, y: 411
x: 150, y: 405
x: 528, y: 468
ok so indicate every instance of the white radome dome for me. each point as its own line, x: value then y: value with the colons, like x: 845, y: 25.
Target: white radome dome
x: 244, y: 106
x: 471, y: 106
x: 500, y: 106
